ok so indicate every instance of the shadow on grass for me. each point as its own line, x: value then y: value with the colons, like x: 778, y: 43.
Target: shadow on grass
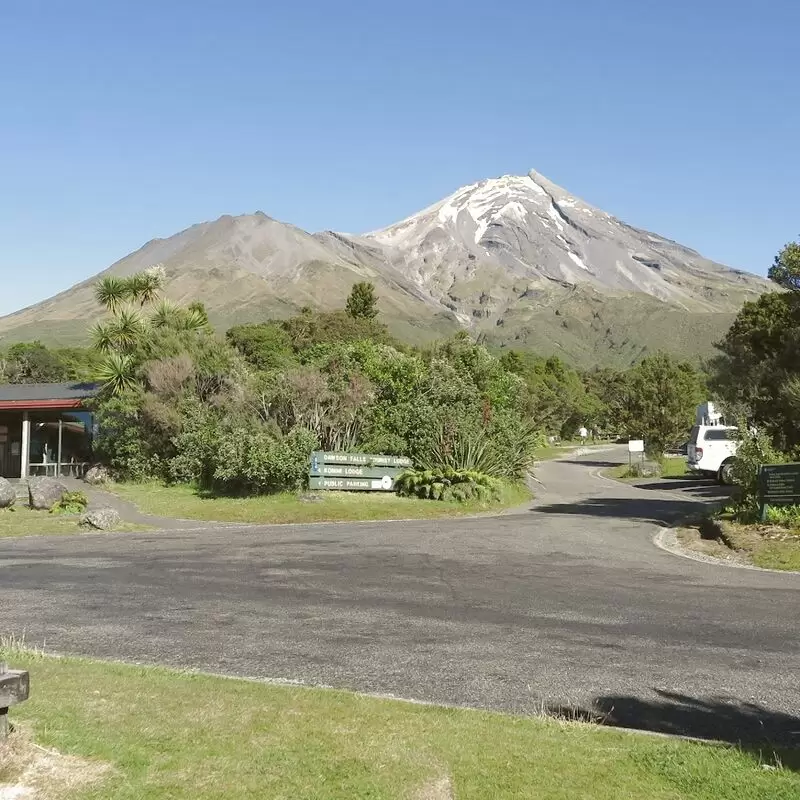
x: 752, y: 727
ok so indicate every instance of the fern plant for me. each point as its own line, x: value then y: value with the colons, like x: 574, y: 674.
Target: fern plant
x: 70, y: 503
x: 448, y: 484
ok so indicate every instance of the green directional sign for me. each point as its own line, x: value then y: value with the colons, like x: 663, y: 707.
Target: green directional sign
x: 778, y: 485
x: 351, y: 471
x: 384, y: 484
x: 355, y: 472
x: 363, y: 459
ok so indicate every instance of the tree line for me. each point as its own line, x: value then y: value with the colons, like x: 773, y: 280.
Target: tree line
x: 241, y: 412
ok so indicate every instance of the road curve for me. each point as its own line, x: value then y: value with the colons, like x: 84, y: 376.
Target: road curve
x: 567, y: 602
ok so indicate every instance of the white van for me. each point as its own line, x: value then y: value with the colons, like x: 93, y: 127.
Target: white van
x: 712, y: 451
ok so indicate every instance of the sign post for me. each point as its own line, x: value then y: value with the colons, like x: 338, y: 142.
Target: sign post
x: 635, y: 446
x: 14, y: 688
x: 355, y: 472
x: 778, y: 485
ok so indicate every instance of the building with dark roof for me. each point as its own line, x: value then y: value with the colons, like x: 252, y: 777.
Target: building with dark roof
x: 45, y: 429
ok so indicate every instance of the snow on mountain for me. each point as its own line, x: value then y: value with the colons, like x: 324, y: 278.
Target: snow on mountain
x: 516, y: 258
x: 529, y: 228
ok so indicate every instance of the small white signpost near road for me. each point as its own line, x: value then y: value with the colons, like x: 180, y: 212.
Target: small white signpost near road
x: 635, y: 446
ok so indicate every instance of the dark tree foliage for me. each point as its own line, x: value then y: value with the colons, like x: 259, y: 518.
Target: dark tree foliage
x: 265, y: 346
x: 362, y: 302
x: 758, y: 370
x: 663, y: 394
x: 786, y: 269
x: 33, y: 362
x: 313, y: 328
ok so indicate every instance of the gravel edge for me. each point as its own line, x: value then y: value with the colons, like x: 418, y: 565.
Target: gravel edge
x: 667, y: 539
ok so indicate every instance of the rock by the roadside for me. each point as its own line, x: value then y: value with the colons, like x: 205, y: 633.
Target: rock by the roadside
x: 649, y: 469
x: 309, y: 498
x: 44, y: 493
x: 96, y: 475
x: 7, y: 494
x: 101, y: 519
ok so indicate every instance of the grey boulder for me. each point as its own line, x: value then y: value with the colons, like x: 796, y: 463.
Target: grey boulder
x: 44, y: 493
x: 101, y: 519
x: 648, y: 469
x: 96, y: 476
x: 7, y: 494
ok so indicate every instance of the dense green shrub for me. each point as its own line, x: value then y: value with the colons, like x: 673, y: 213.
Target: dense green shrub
x: 253, y: 461
x: 239, y: 455
x: 755, y: 449
x: 265, y: 346
x: 504, y: 450
x: 242, y: 415
x: 121, y: 441
x: 70, y: 503
x: 788, y: 516
x: 33, y: 362
x: 448, y: 484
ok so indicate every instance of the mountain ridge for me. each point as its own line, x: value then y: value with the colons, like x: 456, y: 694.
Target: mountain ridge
x: 516, y: 259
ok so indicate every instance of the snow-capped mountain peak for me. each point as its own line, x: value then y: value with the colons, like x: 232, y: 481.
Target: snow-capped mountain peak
x: 526, y: 227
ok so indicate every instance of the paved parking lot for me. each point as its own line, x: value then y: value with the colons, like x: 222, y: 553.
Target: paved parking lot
x: 566, y: 602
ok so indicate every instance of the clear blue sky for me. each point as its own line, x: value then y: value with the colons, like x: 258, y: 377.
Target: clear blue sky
x: 123, y: 121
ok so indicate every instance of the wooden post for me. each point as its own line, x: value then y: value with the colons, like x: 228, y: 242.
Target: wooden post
x: 58, y: 455
x: 14, y: 688
x: 26, y: 445
x: 4, y: 710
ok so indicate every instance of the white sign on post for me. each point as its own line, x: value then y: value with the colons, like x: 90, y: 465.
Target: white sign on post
x: 636, y: 446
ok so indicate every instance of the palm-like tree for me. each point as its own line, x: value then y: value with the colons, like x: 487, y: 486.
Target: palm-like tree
x: 191, y: 319
x: 200, y: 308
x: 128, y: 329
x: 165, y: 314
x: 112, y: 292
x: 145, y: 287
x: 103, y: 338
x: 117, y: 372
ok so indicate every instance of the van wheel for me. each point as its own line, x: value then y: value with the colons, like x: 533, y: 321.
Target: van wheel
x: 725, y: 475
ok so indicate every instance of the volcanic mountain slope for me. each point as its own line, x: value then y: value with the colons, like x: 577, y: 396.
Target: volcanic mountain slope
x: 492, y: 238
x: 515, y: 258
x: 247, y: 268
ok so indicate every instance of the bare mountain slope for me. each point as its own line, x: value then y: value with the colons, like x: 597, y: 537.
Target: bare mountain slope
x: 248, y: 268
x: 515, y: 258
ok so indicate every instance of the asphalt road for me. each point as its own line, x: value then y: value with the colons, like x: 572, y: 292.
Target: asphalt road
x: 564, y: 603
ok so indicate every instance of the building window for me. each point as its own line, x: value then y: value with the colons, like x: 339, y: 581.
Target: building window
x: 60, y: 443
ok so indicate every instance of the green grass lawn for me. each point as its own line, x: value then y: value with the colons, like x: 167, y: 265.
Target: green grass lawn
x: 174, y: 735
x: 186, y: 502
x: 23, y: 521
x: 671, y: 468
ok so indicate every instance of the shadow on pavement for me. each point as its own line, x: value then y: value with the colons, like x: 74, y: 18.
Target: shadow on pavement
x: 658, y: 510
x: 587, y: 463
x: 708, y: 490
x: 751, y: 726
